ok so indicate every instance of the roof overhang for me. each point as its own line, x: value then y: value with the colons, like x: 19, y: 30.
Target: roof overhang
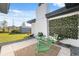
x: 63, y: 10
x: 31, y: 21
x: 4, y: 7
x: 70, y: 5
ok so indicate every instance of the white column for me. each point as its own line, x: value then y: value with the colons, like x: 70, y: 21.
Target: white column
x: 41, y: 23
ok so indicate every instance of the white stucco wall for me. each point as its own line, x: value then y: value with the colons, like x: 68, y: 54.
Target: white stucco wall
x: 41, y: 20
x: 34, y: 28
x: 69, y: 41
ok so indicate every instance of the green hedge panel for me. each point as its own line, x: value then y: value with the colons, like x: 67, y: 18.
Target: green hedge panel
x: 66, y: 26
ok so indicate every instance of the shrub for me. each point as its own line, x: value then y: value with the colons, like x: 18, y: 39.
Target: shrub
x: 15, y: 32
x: 60, y: 37
x: 40, y: 34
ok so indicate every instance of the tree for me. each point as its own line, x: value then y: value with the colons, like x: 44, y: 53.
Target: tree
x: 23, y: 24
x: 4, y: 24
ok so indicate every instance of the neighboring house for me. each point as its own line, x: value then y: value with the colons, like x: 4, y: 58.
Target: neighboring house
x: 45, y: 22
x: 19, y: 28
x: 25, y: 29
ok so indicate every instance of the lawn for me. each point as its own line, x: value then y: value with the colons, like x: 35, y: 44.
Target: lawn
x: 6, y: 37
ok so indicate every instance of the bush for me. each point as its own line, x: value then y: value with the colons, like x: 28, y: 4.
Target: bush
x: 15, y: 32
x: 40, y: 34
x: 31, y: 36
x: 60, y: 37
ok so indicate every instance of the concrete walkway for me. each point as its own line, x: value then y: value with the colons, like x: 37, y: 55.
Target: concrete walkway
x: 73, y: 45
x: 9, y: 50
x: 64, y: 51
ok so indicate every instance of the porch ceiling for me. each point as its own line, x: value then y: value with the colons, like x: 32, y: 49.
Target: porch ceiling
x: 4, y: 7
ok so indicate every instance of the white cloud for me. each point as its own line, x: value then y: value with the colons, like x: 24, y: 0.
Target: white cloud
x: 19, y: 13
x: 59, y: 4
x: 20, y: 16
x: 15, y: 11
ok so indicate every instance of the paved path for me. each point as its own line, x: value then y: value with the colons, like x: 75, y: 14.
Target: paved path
x: 64, y: 51
x: 8, y: 50
x: 74, y: 51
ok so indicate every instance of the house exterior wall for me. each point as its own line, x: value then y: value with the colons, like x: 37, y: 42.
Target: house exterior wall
x: 33, y: 29
x: 41, y: 20
x: 42, y: 23
x: 69, y: 41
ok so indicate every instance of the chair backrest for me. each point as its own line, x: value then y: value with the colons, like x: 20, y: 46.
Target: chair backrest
x: 55, y: 36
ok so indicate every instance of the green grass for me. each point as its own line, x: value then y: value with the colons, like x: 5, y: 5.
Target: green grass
x: 6, y: 37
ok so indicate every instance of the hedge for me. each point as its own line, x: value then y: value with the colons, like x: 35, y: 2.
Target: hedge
x: 66, y: 26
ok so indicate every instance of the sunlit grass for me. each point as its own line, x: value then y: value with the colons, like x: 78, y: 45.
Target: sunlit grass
x: 6, y: 37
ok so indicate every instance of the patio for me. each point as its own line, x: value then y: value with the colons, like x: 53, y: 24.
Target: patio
x: 18, y: 48
x: 27, y: 48
x: 58, y: 23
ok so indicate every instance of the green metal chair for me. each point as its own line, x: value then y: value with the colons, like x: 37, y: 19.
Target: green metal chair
x: 42, y: 47
x: 53, y: 38
x: 43, y: 44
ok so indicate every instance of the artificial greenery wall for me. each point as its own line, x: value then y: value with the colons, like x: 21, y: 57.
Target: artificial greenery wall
x: 67, y: 26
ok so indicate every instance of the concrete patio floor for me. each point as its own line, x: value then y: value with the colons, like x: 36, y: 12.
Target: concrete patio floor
x: 64, y: 51
x: 10, y: 49
x: 27, y: 48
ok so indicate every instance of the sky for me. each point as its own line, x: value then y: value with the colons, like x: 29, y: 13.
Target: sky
x: 22, y: 12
